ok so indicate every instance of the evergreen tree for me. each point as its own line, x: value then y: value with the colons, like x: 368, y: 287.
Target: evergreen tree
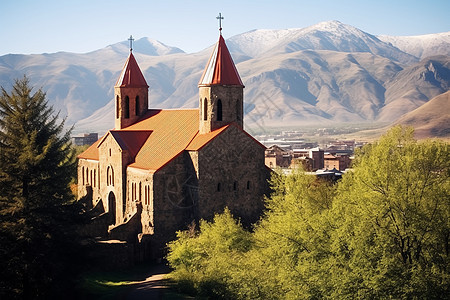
x: 36, y: 166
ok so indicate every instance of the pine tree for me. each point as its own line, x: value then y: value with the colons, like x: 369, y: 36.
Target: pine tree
x: 36, y: 166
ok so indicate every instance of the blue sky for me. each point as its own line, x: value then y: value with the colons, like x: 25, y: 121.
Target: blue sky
x: 46, y: 26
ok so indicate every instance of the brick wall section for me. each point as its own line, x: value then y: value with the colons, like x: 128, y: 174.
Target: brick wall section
x: 232, y: 106
x: 233, y: 176
x: 120, y: 94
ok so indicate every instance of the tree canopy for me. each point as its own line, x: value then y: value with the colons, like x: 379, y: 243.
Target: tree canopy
x: 36, y: 167
x: 381, y: 232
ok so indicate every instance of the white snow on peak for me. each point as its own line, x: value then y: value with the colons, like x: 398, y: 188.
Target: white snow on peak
x: 421, y: 46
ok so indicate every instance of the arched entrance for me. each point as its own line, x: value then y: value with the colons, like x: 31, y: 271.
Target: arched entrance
x: 112, y: 207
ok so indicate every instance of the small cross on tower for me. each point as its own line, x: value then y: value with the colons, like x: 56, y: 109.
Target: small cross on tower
x: 131, y: 42
x: 220, y: 18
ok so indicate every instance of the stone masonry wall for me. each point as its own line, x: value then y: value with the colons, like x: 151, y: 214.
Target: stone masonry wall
x: 231, y: 172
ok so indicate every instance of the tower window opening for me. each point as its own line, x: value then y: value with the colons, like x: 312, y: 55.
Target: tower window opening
x: 137, y: 106
x: 219, y: 110
x: 235, y: 186
x: 218, y: 187
x: 248, y: 185
x: 205, y: 109
x: 127, y: 107
x: 117, y: 107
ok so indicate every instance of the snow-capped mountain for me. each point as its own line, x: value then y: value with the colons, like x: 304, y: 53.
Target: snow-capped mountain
x: 326, y: 73
x: 421, y: 46
x: 332, y: 35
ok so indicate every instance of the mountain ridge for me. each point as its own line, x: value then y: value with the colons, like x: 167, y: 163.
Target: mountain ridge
x: 326, y: 73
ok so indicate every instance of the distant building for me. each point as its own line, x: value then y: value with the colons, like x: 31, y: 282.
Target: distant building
x: 339, y: 161
x: 276, y: 156
x: 85, y: 139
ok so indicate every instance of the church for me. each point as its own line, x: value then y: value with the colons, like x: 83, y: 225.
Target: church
x: 160, y: 170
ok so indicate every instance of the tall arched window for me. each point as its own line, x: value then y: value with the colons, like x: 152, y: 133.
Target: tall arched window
x: 110, y: 176
x: 82, y: 174
x: 137, y: 106
x: 205, y: 109
x: 117, y: 107
x: 127, y: 107
x: 140, y: 192
x: 219, y: 110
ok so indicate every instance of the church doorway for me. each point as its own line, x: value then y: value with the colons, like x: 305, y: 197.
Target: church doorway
x: 112, y: 207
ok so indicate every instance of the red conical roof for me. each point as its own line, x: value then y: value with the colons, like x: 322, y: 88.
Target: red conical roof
x: 131, y: 75
x: 220, y: 68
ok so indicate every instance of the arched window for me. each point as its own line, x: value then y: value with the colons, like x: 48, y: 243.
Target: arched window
x: 137, y: 105
x: 110, y: 176
x: 219, y: 110
x: 140, y: 192
x: 218, y: 187
x: 205, y: 109
x: 235, y: 186
x: 127, y: 107
x: 95, y: 178
x: 117, y: 107
x: 82, y: 174
x: 248, y: 185
x: 87, y: 176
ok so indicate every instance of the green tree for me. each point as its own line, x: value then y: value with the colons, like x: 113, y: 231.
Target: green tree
x: 291, y: 240
x: 36, y: 167
x: 392, y: 220
x: 381, y: 233
x: 207, y: 260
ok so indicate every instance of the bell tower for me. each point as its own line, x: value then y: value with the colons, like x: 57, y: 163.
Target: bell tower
x: 221, y: 90
x: 130, y: 93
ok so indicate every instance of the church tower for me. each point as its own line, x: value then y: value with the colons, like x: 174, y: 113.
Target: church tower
x: 130, y: 94
x: 221, y: 91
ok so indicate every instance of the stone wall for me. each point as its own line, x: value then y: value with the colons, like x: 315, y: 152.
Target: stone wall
x: 232, y: 173
x: 112, y: 166
x: 232, y: 106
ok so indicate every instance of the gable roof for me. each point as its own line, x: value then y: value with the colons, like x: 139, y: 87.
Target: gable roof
x: 220, y: 68
x: 160, y: 136
x: 172, y: 130
x: 131, y: 75
x: 131, y: 140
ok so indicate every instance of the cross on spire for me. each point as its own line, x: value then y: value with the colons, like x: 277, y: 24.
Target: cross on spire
x: 131, y: 42
x: 220, y: 18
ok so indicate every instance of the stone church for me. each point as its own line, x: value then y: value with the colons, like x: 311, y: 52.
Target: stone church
x: 159, y: 170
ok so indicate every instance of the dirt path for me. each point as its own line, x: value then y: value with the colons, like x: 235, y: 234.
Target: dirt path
x: 156, y: 286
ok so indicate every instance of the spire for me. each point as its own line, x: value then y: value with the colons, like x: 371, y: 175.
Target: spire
x: 220, y: 69
x: 131, y: 75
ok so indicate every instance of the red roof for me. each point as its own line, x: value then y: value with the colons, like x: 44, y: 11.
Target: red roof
x: 131, y: 75
x: 220, y: 68
x: 160, y: 136
x: 131, y: 140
